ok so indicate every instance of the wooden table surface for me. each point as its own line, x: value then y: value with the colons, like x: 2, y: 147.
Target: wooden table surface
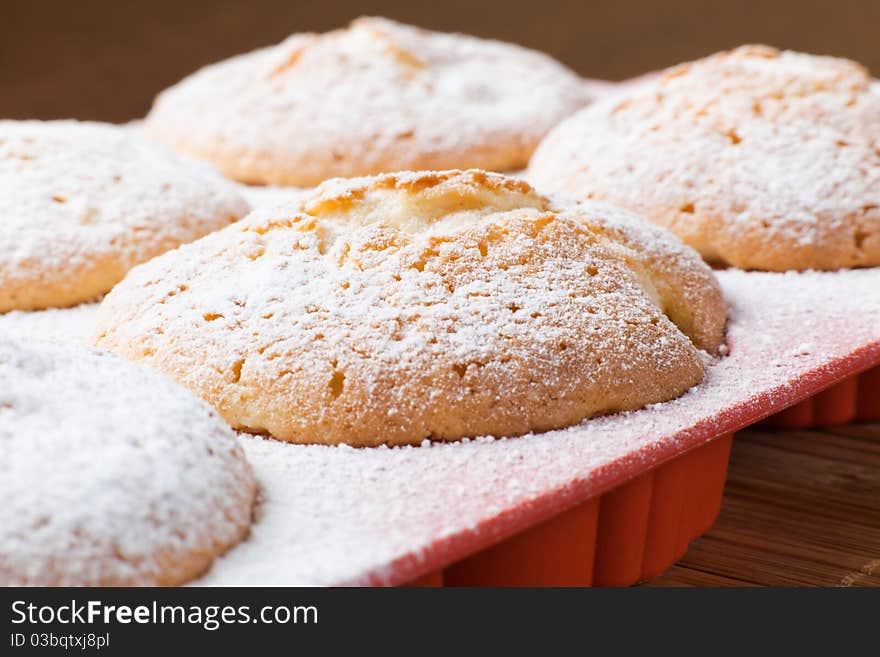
x: 801, y: 508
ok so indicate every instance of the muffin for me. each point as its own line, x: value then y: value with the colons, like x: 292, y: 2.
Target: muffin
x: 82, y: 203
x: 758, y: 158
x: 111, y: 475
x: 374, y: 97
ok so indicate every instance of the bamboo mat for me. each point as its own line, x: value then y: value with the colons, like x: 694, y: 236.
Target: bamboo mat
x: 801, y: 508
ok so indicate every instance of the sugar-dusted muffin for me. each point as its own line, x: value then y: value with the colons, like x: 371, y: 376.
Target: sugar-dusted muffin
x: 82, y: 203
x: 111, y: 475
x: 422, y: 305
x: 757, y: 158
x: 376, y: 96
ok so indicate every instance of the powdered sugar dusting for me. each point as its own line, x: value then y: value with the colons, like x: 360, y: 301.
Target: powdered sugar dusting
x: 68, y: 325
x: 84, y: 202
x: 110, y: 474
x: 375, y: 97
x: 338, y: 515
x: 414, y: 305
x: 757, y: 158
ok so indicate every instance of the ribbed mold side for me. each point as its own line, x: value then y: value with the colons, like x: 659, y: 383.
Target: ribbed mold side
x: 856, y: 399
x: 628, y: 534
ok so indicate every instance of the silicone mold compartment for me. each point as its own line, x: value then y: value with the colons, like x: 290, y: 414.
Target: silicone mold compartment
x: 855, y: 399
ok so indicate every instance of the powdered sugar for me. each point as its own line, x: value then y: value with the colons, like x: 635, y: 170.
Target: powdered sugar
x: 441, y: 304
x: 84, y: 202
x: 67, y: 325
x: 757, y: 158
x: 337, y: 515
x: 109, y: 473
x: 377, y: 96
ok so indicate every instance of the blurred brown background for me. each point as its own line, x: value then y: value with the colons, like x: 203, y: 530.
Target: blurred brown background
x: 106, y: 59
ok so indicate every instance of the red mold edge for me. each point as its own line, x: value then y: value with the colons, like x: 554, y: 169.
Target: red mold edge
x: 629, y: 534
x: 855, y: 399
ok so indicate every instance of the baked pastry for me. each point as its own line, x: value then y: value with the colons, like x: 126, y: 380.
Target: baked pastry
x: 757, y: 158
x: 422, y: 305
x: 110, y: 474
x: 376, y: 96
x: 84, y: 202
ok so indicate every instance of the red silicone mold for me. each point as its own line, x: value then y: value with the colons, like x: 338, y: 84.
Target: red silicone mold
x: 610, y: 502
x: 631, y: 533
